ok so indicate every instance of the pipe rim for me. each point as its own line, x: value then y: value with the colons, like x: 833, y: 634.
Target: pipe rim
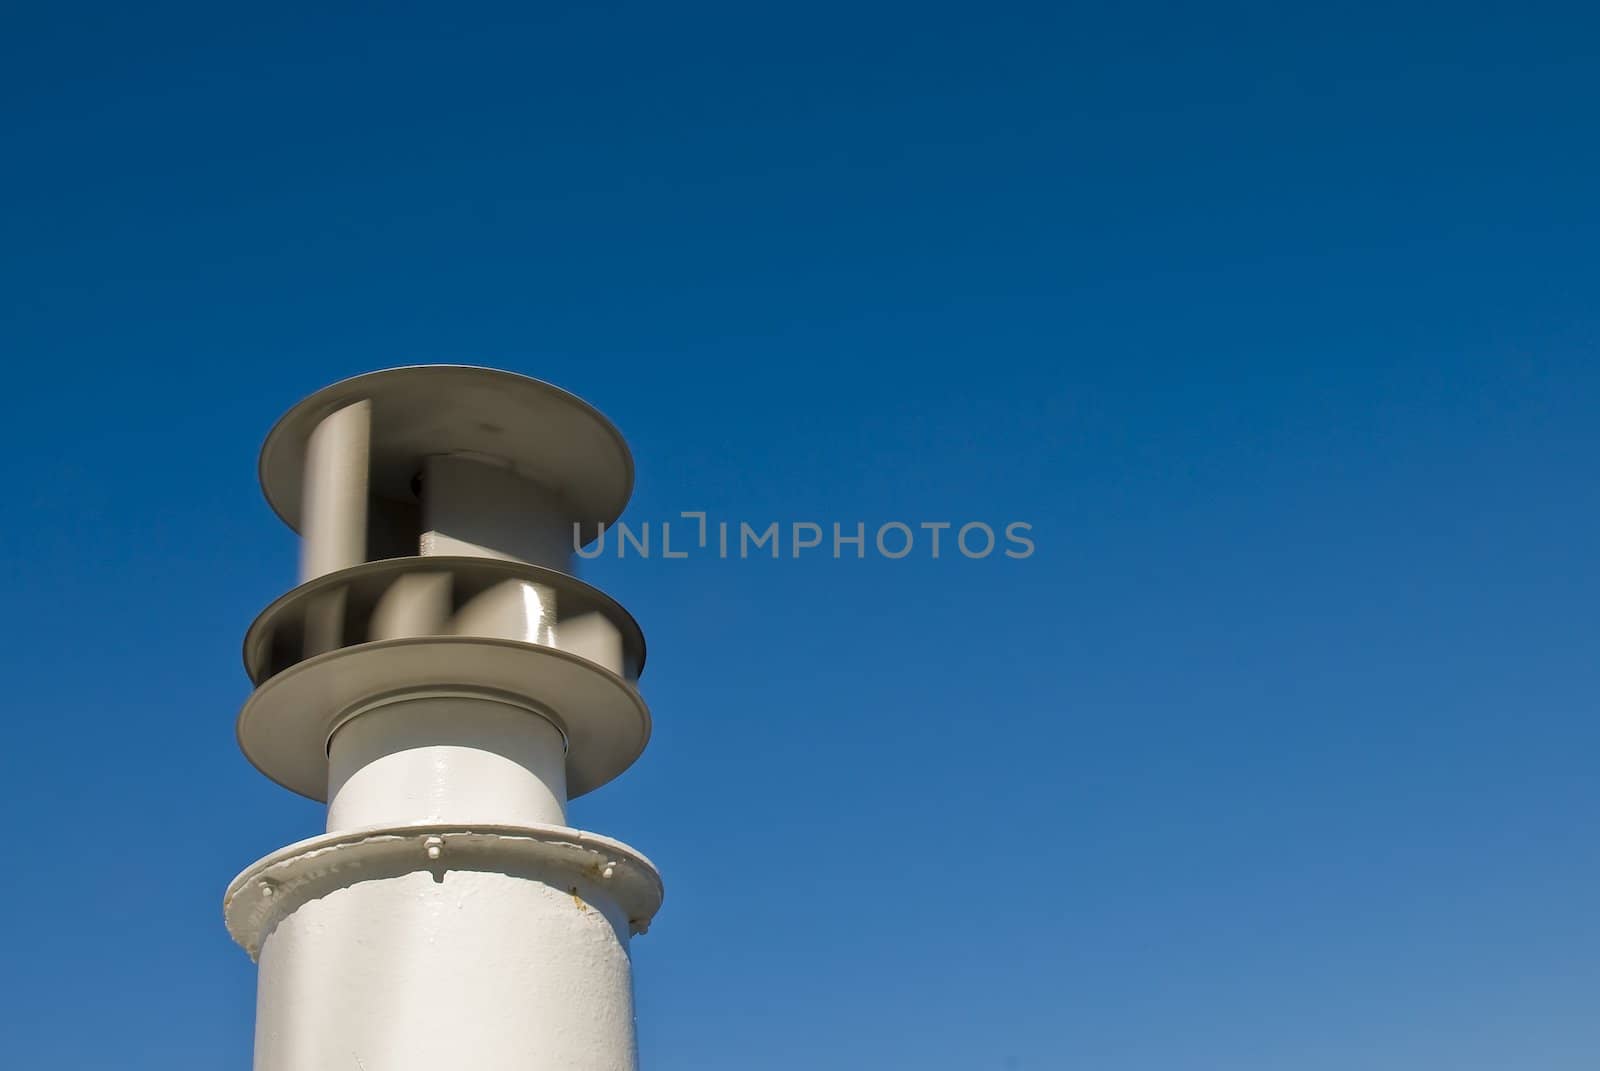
x: 265, y: 890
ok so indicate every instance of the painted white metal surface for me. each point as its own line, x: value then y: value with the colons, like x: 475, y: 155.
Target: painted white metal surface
x: 446, y: 759
x: 439, y: 946
x: 271, y: 888
x: 480, y: 509
x: 334, y: 509
x: 480, y: 971
x: 513, y: 609
x: 446, y: 710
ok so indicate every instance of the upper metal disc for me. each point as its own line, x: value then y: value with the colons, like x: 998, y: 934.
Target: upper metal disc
x: 548, y: 436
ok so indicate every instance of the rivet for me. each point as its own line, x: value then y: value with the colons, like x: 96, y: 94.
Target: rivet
x: 434, y: 846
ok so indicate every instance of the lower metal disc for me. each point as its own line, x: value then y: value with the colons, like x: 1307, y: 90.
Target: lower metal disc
x: 285, y: 726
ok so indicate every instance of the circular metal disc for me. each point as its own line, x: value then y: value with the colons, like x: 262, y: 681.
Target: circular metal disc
x: 284, y: 727
x: 553, y: 438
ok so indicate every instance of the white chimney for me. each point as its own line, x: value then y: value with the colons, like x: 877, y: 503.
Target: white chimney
x: 442, y: 680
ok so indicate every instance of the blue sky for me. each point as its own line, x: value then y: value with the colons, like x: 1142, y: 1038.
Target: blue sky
x: 1277, y: 324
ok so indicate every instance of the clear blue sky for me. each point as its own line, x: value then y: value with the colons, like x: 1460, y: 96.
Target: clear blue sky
x: 1279, y: 325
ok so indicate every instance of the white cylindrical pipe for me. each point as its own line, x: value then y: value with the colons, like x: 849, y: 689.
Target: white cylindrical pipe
x: 511, y: 610
x: 595, y: 637
x: 446, y: 969
x: 333, y: 508
x: 446, y: 759
x: 416, y: 604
